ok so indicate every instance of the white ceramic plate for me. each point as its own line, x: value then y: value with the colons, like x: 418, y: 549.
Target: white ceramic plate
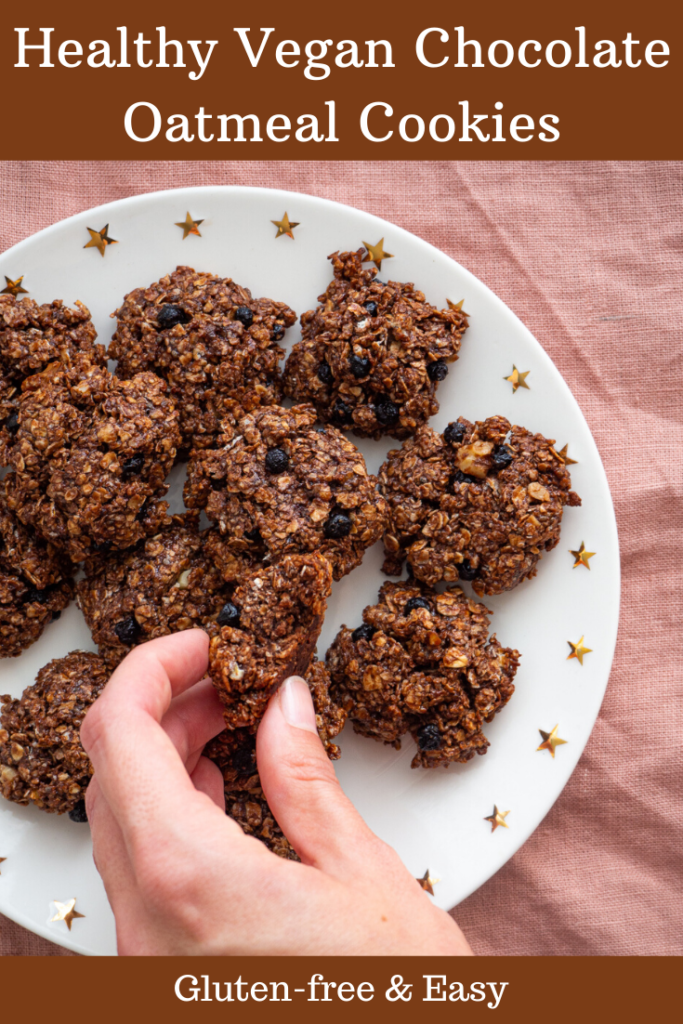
x: 435, y: 820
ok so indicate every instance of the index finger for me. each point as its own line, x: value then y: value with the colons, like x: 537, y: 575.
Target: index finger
x: 138, y: 768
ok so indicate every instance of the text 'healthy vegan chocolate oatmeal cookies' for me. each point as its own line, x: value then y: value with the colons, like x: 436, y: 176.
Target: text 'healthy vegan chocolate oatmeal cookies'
x: 280, y: 483
x: 373, y: 353
x: 422, y: 662
x: 41, y: 757
x: 268, y: 632
x: 32, y: 337
x: 90, y: 454
x: 234, y: 751
x: 480, y: 502
x: 36, y: 584
x: 165, y: 584
x: 215, y: 345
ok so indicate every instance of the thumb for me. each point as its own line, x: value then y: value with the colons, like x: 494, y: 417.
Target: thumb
x: 301, y: 787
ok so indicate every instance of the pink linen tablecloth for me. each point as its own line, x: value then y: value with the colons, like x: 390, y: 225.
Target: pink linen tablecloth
x: 590, y: 257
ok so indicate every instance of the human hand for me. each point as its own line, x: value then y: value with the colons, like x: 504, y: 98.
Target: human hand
x: 182, y: 877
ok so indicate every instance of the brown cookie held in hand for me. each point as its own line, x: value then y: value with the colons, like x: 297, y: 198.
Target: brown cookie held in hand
x: 91, y: 456
x: 215, y: 346
x: 267, y: 632
x: 41, y: 757
x: 165, y: 584
x: 32, y: 337
x: 234, y: 751
x: 422, y: 662
x: 36, y: 584
x: 373, y: 353
x: 295, y: 487
x: 480, y: 502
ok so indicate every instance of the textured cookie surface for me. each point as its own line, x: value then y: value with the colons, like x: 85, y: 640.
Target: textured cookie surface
x: 90, y: 454
x: 277, y: 616
x: 36, y: 583
x: 480, y: 502
x: 32, y: 337
x: 422, y: 662
x: 280, y: 482
x: 41, y: 757
x: 215, y: 345
x: 165, y: 584
x: 373, y: 353
x: 234, y: 751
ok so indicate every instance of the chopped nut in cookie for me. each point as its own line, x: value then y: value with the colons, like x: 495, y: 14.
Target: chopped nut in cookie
x: 423, y: 662
x: 480, y: 502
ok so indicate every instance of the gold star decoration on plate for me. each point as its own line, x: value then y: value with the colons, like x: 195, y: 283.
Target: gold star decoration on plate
x: 99, y: 240
x: 565, y: 458
x: 427, y: 882
x: 581, y: 556
x: 376, y: 254
x: 517, y: 379
x: 285, y: 226
x: 497, y: 818
x: 550, y: 741
x: 14, y: 287
x: 66, y: 912
x: 457, y: 306
x: 578, y: 651
x: 189, y: 226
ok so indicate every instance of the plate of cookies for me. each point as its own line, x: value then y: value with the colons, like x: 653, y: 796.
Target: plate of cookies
x: 315, y: 436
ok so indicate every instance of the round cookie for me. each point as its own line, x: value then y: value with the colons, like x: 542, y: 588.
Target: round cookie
x: 422, y: 662
x: 480, y: 502
x: 266, y: 633
x: 91, y: 454
x: 215, y: 346
x: 165, y: 584
x: 41, y: 757
x: 36, y: 584
x: 234, y: 751
x: 373, y: 353
x: 32, y: 337
x: 290, y: 487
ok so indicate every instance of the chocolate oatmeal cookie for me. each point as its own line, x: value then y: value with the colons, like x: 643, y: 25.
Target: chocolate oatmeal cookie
x: 480, y: 502
x: 165, y: 584
x: 234, y: 751
x: 32, y: 337
x: 91, y: 453
x: 41, y: 757
x: 36, y: 584
x: 215, y: 345
x: 267, y: 632
x: 290, y: 486
x: 373, y: 353
x: 422, y: 662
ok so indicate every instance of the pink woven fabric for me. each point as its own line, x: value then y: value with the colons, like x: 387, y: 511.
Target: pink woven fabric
x: 589, y: 257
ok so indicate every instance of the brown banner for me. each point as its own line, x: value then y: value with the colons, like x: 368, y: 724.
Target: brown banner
x: 337, y: 989
x: 310, y: 81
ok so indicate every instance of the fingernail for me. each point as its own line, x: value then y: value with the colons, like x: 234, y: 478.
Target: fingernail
x: 297, y: 705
